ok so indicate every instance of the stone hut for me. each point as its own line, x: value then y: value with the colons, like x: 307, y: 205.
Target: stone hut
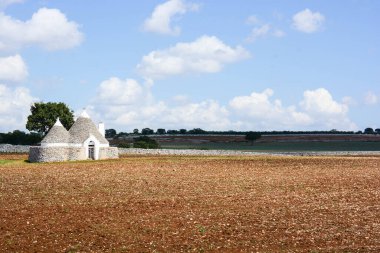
x: 83, y: 141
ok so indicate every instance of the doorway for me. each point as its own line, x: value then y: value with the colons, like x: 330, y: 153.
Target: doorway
x: 91, y: 150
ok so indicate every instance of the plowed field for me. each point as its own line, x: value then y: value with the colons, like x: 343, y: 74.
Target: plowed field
x: 191, y: 204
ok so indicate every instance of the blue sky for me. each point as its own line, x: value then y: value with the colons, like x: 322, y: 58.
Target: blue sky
x: 217, y: 65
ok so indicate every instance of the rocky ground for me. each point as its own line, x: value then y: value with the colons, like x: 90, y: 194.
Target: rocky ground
x: 143, y: 203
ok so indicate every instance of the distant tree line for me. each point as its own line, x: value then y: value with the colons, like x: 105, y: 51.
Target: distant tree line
x: 20, y: 138
x: 141, y: 142
x: 112, y: 133
x: 369, y: 130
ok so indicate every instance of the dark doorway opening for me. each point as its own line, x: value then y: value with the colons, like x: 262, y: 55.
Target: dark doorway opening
x: 91, y: 150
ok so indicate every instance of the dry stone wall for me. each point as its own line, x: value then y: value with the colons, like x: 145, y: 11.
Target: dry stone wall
x: 112, y: 152
x: 8, y: 148
x: 108, y: 153
x: 40, y: 154
x: 56, y: 154
x: 190, y: 152
x: 76, y: 154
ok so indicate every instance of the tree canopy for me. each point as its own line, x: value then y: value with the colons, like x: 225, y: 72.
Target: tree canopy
x: 145, y: 142
x: 44, y: 115
x: 369, y: 130
x: 161, y: 131
x: 110, y: 133
x: 18, y: 137
x: 252, y: 136
x: 146, y: 131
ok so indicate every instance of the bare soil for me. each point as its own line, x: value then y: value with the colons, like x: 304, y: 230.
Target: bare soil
x: 191, y: 204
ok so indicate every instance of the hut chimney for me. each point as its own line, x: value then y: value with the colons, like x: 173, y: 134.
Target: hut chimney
x: 102, y: 129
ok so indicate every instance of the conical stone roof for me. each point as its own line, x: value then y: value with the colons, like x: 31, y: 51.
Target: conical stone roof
x: 83, y: 128
x: 57, y: 134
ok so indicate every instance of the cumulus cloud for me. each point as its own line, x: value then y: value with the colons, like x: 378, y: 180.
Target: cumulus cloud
x: 320, y: 101
x: 180, y: 99
x: 161, y: 19
x: 120, y: 92
x: 207, y: 114
x: 136, y: 107
x: 325, y: 111
x: 14, y: 107
x: 207, y: 54
x: 371, y: 98
x: 260, y: 112
x: 307, y: 21
x: 317, y: 110
x: 13, y: 69
x: 48, y: 28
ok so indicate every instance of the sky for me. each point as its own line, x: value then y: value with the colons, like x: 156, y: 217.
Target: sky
x: 217, y: 65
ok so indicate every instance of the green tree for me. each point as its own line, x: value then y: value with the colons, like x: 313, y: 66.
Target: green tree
x: 135, y: 131
x: 377, y: 130
x: 110, y: 133
x: 172, y: 132
x: 44, y: 115
x: 197, y: 131
x: 252, y: 136
x: 161, y: 131
x: 146, y: 131
x: 18, y: 137
x: 369, y: 130
x: 145, y: 142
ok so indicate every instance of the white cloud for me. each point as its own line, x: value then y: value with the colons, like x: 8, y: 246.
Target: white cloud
x: 207, y: 54
x: 120, y: 92
x: 318, y: 110
x: 13, y: 69
x: 162, y: 16
x: 371, y: 98
x: 259, y: 112
x: 320, y: 101
x: 14, y: 107
x: 126, y: 104
x: 48, y: 28
x: 207, y: 114
x: 181, y: 99
x: 307, y: 21
x: 325, y: 111
x: 135, y: 107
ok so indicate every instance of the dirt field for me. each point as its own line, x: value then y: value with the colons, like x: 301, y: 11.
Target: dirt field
x: 191, y: 204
